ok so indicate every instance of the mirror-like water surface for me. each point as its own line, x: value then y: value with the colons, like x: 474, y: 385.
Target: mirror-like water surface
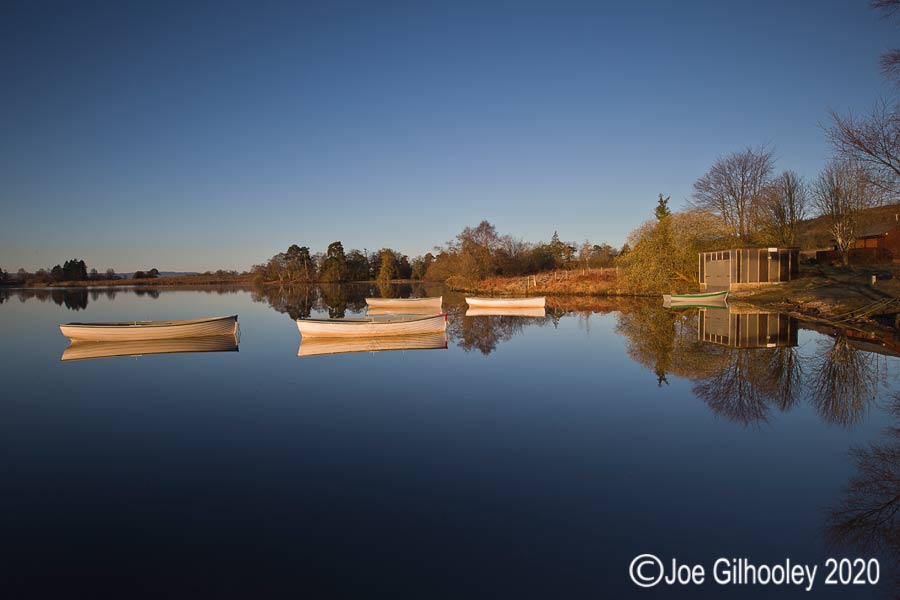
x: 519, y: 453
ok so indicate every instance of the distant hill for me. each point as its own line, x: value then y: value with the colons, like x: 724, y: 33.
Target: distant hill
x: 163, y: 274
x: 813, y: 233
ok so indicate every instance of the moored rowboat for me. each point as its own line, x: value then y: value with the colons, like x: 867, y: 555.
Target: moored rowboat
x: 707, y: 299
x: 82, y: 349
x: 316, y: 346
x: 403, y: 303
x: 371, y: 327
x: 506, y: 312
x: 403, y: 310
x: 150, y: 330
x: 538, y: 302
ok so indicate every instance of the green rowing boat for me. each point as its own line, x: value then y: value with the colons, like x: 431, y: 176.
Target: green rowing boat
x: 710, y: 298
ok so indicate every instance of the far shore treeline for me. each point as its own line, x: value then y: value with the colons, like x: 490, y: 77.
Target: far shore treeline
x: 476, y: 253
x: 76, y: 271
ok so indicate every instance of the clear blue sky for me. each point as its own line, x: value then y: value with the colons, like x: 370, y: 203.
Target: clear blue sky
x: 194, y: 136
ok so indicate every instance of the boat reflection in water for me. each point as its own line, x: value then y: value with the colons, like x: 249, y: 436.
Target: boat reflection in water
x: 401, y: 305
x: 506, y: 312
x: 317, y: 346
x: 739, y: 328
x: 82, y: 350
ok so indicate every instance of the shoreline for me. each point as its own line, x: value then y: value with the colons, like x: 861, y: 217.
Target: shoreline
x: 827, y: 295
x: 837, y: 296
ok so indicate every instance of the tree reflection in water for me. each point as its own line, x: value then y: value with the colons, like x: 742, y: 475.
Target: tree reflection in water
x: 333, y: 299
x: 651, y: 332
x: 76, y: 298
x: 486, y: 333
x: 844, y: 381
x: 740, y: 389
x: 296, y: 301
x: 387, y: 290
x: 867, y: 518
x: 71, y: 298
x: 110, y: 293
x: 786, y: 370
x: 744, y: 364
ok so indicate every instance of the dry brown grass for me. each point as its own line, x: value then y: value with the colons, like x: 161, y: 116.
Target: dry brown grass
x: 563, y: 283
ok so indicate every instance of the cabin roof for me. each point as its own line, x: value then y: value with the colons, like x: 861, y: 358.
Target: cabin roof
x: 878, y: 229
x: 762, y: 248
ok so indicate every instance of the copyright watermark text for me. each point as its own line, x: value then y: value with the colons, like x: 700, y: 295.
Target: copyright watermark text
x: 648, y: 570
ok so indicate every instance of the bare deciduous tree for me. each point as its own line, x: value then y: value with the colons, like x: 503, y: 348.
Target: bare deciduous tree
x: 890, y: 60
x: 873, y: 140
x: 734, y: 189
x: 786, y: 206
x: 584, y: 255
x: 841, y: 194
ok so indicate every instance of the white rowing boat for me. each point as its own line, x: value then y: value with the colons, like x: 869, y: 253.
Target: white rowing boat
x: 403, y: 310
x: 317, y: 346
x: 150, y: 330
x: 371, y: 327
x: 82, y: 349
x: 405, y: 303
x: 506, y: 312
x: 538, y: 302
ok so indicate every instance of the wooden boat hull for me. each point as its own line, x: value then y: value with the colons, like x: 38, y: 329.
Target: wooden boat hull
x: 317, y: 346
x: 366, y: 327
x: 685, y: 300
x: 406, y: 303
x: 403, y: 310
x: 506, y: 312
x: 83, y: 350
x: 538, y: 302
x: 150, y: 330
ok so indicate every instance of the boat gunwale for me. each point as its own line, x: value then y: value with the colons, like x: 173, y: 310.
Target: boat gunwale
x: 723, y: 293
x: 504, y: 298
x: 376, y: 320
x: 144, y: 324
x: 426, y: 300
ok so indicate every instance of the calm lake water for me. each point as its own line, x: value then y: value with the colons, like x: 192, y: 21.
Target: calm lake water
x: 531, y: 457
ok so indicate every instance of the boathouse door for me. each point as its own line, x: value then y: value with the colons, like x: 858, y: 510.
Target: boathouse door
x: 717, y: 278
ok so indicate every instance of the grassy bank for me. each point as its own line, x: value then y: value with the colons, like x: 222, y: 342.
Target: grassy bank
x: 591, y: 282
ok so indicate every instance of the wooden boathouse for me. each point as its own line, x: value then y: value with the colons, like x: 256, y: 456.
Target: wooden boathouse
x: 740, y: 268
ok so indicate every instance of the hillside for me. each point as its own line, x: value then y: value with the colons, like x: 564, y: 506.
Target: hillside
x: 165, y: 274
x: 813, y: 233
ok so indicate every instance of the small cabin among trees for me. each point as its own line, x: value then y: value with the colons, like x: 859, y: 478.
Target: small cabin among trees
x: 877, y: 244
x: 739, y: 268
